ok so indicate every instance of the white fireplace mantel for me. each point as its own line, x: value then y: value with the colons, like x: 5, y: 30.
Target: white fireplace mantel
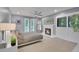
x: 52, y: 29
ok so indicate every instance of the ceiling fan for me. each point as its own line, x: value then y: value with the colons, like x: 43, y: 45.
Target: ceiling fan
x: 37, y: 13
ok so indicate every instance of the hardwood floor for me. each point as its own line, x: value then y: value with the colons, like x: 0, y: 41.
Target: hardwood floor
x: 49, y: 45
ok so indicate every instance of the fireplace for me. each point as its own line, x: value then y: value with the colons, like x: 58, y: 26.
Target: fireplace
x: 48, y: 31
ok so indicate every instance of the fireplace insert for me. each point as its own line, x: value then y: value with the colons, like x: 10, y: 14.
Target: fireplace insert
x: 48, y: 31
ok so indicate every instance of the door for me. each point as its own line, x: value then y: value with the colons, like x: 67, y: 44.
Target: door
x: 26, y: 25
x: 32, y: 25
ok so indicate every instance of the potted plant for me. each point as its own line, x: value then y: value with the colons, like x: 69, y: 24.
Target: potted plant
x: 13, y: 40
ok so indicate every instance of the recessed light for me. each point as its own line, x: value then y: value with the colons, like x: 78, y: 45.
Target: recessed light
x: 55, y: 10
x: 18, y: 12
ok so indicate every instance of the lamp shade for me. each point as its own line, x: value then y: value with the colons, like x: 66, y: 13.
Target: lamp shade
x: 7, y: 26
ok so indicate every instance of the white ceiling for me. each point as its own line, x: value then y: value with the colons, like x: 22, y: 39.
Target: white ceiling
x: 29, y: 11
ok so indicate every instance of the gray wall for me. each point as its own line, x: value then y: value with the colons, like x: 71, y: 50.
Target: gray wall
x: 20, y: 26
x: 75, y: 9
x: 65, y: 33
x: 4, y: 17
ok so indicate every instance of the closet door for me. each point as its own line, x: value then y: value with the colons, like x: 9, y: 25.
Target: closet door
x: 26, y: 25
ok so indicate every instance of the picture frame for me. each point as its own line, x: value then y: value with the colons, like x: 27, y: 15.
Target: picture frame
x: 18, y: 22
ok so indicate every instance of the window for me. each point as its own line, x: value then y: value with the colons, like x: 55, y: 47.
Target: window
x: 61, y: 22
x: 73, y: 21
